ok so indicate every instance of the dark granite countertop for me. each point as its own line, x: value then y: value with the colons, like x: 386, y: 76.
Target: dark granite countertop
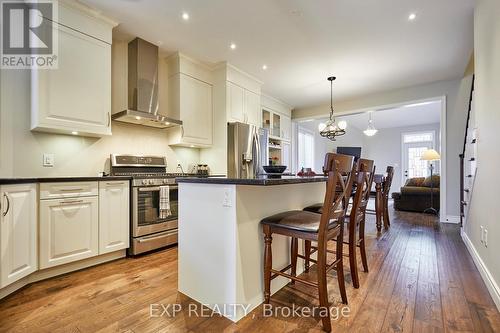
x: 259, y: 181
x: 6, y: 181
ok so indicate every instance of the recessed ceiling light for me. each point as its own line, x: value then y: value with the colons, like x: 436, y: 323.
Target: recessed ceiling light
x: 167, y: 123
x: 232, y: 46
x: 138, y: 118
x: 185, y: 16
x: 74, y: 133
x: 192, y: 146
x: 412, y: 16
x: 264, y: 67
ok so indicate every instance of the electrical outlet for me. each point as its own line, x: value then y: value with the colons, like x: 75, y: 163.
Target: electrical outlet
x: 485, y: 237
x: 482, y: 234
x: 48, y: 160
x: 226, y: 201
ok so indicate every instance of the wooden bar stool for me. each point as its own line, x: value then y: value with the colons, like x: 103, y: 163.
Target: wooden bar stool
x: 345, y: 165
x: 312, y: 227
x: 355, y: 217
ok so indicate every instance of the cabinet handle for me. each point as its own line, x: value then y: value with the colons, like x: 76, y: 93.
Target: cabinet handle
x: 182, y: 131
x: 70, y: 189
x: 120, y: 183
x: 109, y: 119
x: 71, y: 201
x: 8, y: 204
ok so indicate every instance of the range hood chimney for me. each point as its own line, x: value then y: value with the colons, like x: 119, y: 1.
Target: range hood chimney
x: 143, y: 88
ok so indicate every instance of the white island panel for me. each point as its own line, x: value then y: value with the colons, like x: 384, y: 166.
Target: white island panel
x: 221, y: 243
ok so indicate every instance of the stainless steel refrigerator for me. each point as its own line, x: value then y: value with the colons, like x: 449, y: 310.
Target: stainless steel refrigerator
x: 247, y: 150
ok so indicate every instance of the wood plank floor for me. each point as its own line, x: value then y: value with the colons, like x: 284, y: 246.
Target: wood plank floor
x: 421, y: 279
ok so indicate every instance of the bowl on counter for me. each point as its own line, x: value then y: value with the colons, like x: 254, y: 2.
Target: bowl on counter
x: 274, y: 170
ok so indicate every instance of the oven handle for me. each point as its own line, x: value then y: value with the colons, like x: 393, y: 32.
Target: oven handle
x: 162, y: 235
x: 155, y: 188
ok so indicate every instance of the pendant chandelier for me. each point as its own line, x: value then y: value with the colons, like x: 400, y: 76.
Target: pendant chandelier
x: 330, y: 129
x: 370, y: 130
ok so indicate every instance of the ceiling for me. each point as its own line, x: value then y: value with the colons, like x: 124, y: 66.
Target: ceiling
x: 370, y: 45
x: 411, y: 115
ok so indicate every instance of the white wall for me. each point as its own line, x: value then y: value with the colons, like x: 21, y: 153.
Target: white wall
x: 353, y: 138
x: 22, y: 150
x: 457, y: 95
x: 385, y: 149
x: 484, y: 207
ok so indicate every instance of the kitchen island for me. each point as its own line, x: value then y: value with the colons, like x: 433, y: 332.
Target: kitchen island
x: 221, y: 244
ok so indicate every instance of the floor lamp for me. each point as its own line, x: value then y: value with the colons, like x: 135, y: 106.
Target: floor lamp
x: 431, y: 155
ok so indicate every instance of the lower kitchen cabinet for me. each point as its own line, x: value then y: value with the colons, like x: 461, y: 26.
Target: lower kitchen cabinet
x: 114, y: 215
x: 18, y: 232
x: 69, y: 230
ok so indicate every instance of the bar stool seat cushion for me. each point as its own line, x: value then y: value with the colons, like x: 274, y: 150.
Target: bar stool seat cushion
x: 316, y: 208
x: 298, y: 220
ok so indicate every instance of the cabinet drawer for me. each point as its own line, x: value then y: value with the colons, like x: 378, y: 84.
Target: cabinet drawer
x: 68, y: 190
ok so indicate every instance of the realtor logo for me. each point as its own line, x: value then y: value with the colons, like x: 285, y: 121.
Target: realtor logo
x: 29, y: 39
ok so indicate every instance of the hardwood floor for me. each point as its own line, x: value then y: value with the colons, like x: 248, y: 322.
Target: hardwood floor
x: 421, y: 279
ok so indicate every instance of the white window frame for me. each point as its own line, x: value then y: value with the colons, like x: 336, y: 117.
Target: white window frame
x: 308, y: 132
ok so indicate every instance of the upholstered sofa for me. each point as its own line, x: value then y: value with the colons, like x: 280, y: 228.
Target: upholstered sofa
x: 415, y: 196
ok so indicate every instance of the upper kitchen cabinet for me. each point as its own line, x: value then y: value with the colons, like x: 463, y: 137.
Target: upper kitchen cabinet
x: 243, y: 97
x: 75, y: 98
x: 18, y: 232
x: 190, y: 99
x: 276, y: 116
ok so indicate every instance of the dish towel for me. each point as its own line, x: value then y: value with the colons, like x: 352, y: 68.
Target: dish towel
x: 165, y: 202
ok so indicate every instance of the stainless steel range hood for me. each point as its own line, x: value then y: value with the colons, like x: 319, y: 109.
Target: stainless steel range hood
x: 143, y: 88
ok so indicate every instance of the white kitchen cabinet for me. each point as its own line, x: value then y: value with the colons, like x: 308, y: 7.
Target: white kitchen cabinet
x: 114, y: 212
x: 190, y: 100
x: 68, y: 230
x: 75, y: 98
x: 236, y: 103
x: 252, y: 108
x: 18, y: 232
x: 286, y: 155
x: 243, y: 105
x: 286, y: 127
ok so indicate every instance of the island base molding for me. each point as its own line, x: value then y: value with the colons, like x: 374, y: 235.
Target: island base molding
x: 60, y: 270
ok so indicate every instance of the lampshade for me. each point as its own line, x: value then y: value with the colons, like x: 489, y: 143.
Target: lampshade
x: 430, y: 155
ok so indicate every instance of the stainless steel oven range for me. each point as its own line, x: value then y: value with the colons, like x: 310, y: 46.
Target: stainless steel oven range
x: 154, y: 201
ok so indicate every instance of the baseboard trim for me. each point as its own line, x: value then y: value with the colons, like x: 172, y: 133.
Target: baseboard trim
x: 488, y: 279
x: 452, y: 219
x: 60, y: 270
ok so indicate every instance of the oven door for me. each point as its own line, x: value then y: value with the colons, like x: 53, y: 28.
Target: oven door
x: 146, y: 211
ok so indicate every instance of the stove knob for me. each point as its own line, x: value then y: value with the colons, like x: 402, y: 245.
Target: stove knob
x: 144, y: 181
x: 151, y: 182
x: 165, y: 181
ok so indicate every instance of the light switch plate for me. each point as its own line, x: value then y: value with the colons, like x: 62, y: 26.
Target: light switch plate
x: 226, y: 201
x: 48, y: 160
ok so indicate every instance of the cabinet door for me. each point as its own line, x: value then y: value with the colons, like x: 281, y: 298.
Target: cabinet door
x: 276, y: 130
x: 18, y: 232
x: 114, y: 215
x: 236, y: 102
x: 68, y: 230
x: 286, y: 155
x: 76, y: 97
x: 286, y: 127
x: 252, y: 108
x: 196, y: 110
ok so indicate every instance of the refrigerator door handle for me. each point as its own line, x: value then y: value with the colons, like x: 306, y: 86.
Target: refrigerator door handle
x: 256, y: 160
